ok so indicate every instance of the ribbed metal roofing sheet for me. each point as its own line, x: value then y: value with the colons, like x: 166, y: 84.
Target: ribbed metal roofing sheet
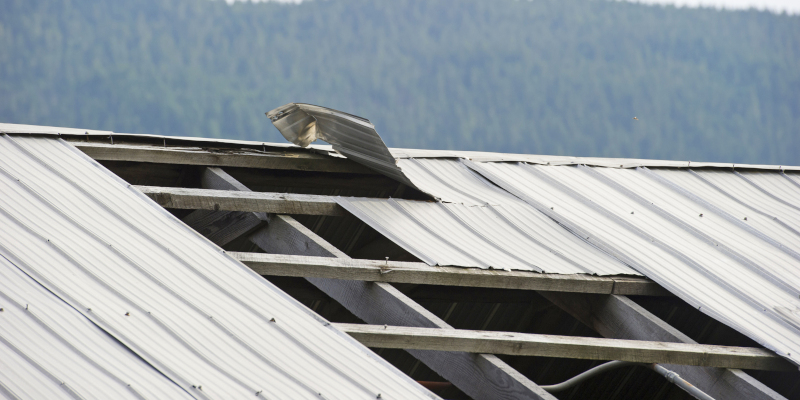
x: 683, y: 233
x: 120, y: 264
x: 477, y: 224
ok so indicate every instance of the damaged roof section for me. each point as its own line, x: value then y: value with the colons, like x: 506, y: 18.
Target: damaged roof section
x: 722, y: 239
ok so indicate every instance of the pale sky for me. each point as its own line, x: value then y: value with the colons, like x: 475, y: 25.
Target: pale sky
x: 777, y: 6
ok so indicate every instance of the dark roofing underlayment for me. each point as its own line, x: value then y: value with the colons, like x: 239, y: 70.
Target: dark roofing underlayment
x: 104, y: 294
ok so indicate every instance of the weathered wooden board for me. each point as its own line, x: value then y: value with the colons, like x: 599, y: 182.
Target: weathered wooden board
x: 420, y: 273
x: 289, y: 160
x: 228, y: 200
x: 530, y: 344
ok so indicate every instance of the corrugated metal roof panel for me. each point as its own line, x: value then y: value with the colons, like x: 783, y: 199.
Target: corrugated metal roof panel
x: 728, y: 271
x: 45, y: 341
x: 167, y: 294
x: 451, y: 181
x: 478, y: 225
x: 730, y: 207
x: 739, y: 188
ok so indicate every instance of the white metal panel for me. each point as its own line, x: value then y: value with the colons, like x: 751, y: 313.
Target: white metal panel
x: 67, y: 347
x: 511, y: 236
x: 451, y: 181
x: 746, y: 216
x: 776, y: 185
x: 751, y: 195
x: 703, y: 223
x: 176, y: 300
x: 647, y: 225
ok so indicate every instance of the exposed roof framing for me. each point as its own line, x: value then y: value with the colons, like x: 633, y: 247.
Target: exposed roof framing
x: 483, y: 376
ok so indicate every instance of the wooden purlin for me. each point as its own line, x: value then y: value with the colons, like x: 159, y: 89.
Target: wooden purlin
x: 229, y: 200
x: 301, y: 160
x: 587, y: 348
x: 420, y: 273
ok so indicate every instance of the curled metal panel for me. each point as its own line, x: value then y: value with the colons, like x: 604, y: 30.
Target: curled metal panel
x: 206, y: 322
x: 733, y: 273
x: 352, y: 136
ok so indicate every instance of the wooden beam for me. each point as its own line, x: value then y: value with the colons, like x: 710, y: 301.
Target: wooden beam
x: 585, y: 348
x: 420, y: 273
x: 228, y: 200
x: 481, y: 376
x: 296, y: 159
x: 620, y: 317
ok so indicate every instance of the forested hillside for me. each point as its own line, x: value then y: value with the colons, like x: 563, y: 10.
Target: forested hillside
x: 547, y: 76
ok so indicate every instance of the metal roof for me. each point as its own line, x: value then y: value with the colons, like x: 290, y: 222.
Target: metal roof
x: 685, y: 234
x: 101, y: 289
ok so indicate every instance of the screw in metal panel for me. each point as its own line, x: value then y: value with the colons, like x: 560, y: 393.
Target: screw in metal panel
x: 272, y: 320
x: 127, y: 314
x: 701, y: 215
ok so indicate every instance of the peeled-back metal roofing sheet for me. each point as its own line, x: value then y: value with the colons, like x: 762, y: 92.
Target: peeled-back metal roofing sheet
x: 683, y: 232
x: 122, y: 265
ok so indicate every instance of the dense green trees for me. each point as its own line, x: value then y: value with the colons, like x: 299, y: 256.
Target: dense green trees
x: 547, y: 77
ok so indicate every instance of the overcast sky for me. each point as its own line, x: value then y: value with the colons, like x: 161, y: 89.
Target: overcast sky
x: 790, y: 6
x: 778, y: 6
